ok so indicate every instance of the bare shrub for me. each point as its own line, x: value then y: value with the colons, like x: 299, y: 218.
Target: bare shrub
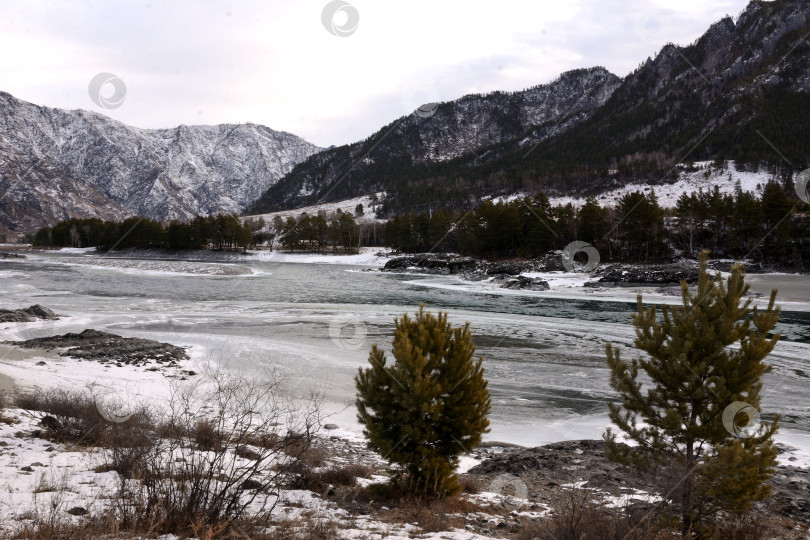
x: 3, y: 402
x: 753, y: 526
x: 71, y: 416
x: 469, y: 485
x: 191, y: 468
x: 206, y: 436
x: 305, y: 477
x: 90, y: 528
x: 194, y: 481
x: 130, y: 443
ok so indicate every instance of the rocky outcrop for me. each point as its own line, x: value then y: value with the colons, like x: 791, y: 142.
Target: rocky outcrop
x: 110, y: 349
x: 505, y: 273
x: 29, y: 314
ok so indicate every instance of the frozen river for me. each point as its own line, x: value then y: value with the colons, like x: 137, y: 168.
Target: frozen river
x: 314, y: 325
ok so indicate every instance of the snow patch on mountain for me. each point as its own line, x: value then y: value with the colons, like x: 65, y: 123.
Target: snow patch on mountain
x: 705, y: 176
x: 369, y: 203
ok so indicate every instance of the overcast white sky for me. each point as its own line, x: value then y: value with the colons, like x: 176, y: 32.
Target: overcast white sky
x: 275, y: 63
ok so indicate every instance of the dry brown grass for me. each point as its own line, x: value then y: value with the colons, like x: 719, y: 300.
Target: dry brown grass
x: 389, y: 504
x: 304, y: 476
x: 72, y: 417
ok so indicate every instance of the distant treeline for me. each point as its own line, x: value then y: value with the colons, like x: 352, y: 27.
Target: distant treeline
x: 307, y: 232
x: 217, y: 232
x: 769, y: 227
x: 316, y: 232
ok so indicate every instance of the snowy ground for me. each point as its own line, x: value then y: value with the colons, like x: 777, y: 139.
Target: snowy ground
x: 347, y: 206
x: 43, y: 480
x: 368, y: 256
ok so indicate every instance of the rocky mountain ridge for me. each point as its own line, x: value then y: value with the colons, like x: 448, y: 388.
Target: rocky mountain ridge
x: 56, y: 164
x: 740, y: 92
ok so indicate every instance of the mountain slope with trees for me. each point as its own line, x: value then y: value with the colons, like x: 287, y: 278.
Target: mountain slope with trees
x: 741, y: 91
x: 453, y: 130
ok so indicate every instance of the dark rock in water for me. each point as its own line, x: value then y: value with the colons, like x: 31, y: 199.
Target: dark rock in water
x: 29, y: 314
x: 509, y: 268
x: 110, y: 348
x: 330, y: 426
x: 431, y: 264
x: 399, y: 263
x: 457, y: 266
x: 4, y: 255
x: 77, y: 511
x: 659, y: 274
x: 526, y: 283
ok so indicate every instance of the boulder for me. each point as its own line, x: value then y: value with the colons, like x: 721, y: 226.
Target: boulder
x: 526, y: 283
x: 29, y: 314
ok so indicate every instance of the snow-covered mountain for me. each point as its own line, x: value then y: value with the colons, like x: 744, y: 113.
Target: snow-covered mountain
x: 739, y: 92
x: 442, y: 133
x: 56, y: 163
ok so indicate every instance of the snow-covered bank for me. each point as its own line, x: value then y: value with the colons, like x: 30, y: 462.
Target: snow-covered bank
x: 368, y: 256
x: 31, y: 369
x: 203, y: 262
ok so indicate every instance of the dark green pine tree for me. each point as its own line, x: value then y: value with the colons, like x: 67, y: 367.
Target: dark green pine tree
x: 701, y: 357
x: 426, y: 407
